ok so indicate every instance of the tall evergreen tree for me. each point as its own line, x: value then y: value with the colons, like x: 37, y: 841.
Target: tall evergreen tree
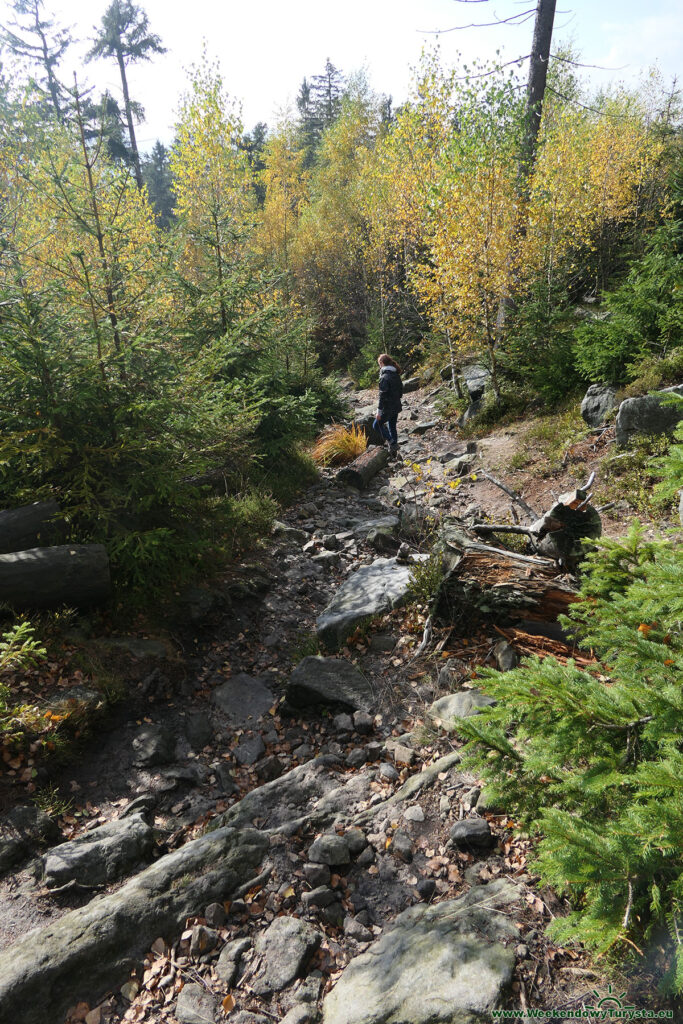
x: 125, y: 35
x: 39, y: 42
x: 327, y: 90
x: 156, y: 170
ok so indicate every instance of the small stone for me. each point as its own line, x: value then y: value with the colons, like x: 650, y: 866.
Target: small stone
x: 444, y: 804
x: 329, y: 849
x: 426, y: 888
x: 373, y: 750
x: 402, y: 847
x: 305, y: 1014
x: 224, y: 778
x: 366, y: 858
x: 303, y: 752
x: 269, y: 768
x: 355, y: 930
x: 317, y: 874
x: 474, y: 832
x: 363, y: 722
x: 249, y: 750
x: 414, y: 813
x: 522, y: 951
x: 203, y: 940
x: 403, y: 755
x: 388, y: 772
x: 153, y: 744
x: 342, y: 723
x: 355, y: 840
x: 381, y: 643
x: 356, y: 757
x: 333, y: 915
x: 196, y: 1005
x: 286, y: 947
x: 331, y: 542
x: 227, y: 966
x: 320, y: 897
x: 199, y: 730
x: 506, y: 656
x: 215, y: 915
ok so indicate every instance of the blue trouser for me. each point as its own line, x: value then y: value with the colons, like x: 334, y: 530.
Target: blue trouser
x: 387, y: 428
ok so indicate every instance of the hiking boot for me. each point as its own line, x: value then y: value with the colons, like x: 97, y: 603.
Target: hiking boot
x: 393, y: 451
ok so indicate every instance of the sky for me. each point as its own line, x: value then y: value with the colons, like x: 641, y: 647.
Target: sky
x: 266, y: 47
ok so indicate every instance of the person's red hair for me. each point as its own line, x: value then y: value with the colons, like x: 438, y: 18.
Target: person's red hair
x: 385, y: 360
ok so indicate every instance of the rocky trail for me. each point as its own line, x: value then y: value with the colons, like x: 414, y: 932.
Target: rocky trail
x: 262, y: 832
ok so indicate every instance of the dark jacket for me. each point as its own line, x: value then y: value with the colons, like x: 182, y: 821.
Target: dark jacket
x: 390, y: 392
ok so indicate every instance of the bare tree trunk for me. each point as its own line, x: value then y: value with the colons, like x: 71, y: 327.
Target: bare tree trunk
x: 129, y: 118
x: 535, y: 93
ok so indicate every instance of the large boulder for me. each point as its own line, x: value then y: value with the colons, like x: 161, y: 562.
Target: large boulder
x: 649, y: 414
x: 371, y: 590
x: 364, y: 419
x: 94, y: 948
x: 317, y: 680
x: 597, y: 403
x: 101, y: 855
x: 440, y: 964
x: 476, y: 378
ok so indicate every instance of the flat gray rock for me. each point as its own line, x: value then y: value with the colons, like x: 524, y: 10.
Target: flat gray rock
x: 243, y: 698
x: 286, y: 947
x: 101, y: 855
x: 440, y: 964
x: 457, y: 705
x: 93, y: 948
x: 648, y: 415
x: 318, y: 680
x: 371, y: 590
x: 314, y: 793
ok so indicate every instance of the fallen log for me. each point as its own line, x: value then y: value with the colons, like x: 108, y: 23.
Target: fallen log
x: 73, y: 574
x: 24, y: 527
x: 360, y: 472
x: 483, y: 582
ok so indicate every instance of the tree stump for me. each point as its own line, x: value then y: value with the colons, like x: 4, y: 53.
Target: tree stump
x: 490, y: 583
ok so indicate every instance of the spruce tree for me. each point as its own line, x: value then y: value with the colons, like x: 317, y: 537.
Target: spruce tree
x: 125, y: 36
x: 156, y: 169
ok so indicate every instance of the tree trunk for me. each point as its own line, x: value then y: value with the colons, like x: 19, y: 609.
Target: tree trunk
x: 129, y: 118
x: 72, y: 574
x: 361, y: 471
x: 535, y: 90
x: 21, y: 528
x: 535, y: 93
x: 483, y: 582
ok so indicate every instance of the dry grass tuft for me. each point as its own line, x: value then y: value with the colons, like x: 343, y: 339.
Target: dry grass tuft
x: 337, y: 446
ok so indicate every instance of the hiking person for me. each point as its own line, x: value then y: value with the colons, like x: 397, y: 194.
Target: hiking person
x: 390, y: 393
